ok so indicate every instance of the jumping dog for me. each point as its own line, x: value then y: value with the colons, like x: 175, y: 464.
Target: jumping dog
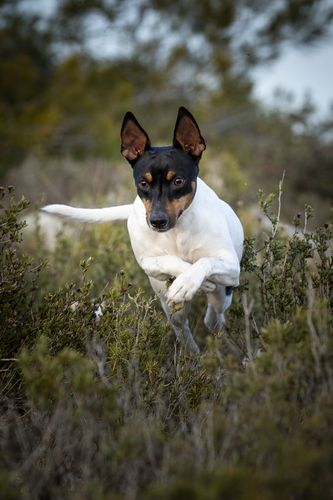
x: 180, y: 231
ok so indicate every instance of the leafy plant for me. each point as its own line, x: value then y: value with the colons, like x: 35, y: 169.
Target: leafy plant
x: 108, y: 406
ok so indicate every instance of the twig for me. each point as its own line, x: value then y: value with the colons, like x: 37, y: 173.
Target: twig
x: 276, y: 225
x: 247, y: 311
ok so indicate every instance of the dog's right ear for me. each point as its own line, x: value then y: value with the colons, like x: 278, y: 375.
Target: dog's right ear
x: 134, y: 140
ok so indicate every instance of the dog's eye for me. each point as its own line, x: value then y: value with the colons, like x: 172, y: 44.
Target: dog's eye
x: 143, y: 185
x: 179, y: 181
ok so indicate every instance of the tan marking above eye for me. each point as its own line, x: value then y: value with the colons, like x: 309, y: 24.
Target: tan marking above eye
x: 170, y: 175
x: 148, y: 177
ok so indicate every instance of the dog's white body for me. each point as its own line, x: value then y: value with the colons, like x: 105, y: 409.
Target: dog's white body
x: 206, y: 243
x: 203, y: 251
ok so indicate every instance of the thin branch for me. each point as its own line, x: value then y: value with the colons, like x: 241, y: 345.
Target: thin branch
x: 276, y: 225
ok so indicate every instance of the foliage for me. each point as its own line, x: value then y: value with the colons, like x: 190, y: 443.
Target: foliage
x: 109, y: 407
x: 63, y: 94
x: 231, y: 34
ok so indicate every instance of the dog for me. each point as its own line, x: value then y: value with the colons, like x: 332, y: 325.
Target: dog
x: 180, y: 231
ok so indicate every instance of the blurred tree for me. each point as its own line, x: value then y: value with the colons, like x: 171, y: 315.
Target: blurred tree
x: 220, y: 36
x: 250, y: 31
x: 68, y: 74
x: 26, y: 65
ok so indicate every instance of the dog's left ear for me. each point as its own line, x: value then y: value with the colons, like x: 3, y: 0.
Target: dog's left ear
x: 134, y: 140
x: 187, y: 134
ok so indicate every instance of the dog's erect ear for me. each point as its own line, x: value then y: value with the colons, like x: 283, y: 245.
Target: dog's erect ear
x: 134, y: 140
x: 187, y: 134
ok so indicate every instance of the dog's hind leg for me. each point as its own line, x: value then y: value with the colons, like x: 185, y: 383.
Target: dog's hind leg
x: 178, y: 318
x: 218, y: 303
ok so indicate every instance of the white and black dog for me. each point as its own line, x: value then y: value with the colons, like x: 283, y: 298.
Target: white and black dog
x: 178, y: 227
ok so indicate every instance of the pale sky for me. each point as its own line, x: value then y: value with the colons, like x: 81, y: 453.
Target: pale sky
x: 301, y: 71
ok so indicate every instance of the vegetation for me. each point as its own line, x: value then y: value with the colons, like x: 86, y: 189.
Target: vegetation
x: 111, y: 407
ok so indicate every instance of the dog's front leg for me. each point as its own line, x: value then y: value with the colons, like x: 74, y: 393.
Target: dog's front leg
x: 170, y: 266
x: 219, y: 271
x: 164, y: 266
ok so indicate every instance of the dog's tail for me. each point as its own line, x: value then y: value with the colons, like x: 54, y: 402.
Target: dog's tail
x: 121, y: 212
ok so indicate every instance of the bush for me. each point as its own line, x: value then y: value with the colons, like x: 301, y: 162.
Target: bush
x: 112, y: 407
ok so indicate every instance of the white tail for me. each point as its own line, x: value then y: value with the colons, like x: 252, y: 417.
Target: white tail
x: 121, y: 212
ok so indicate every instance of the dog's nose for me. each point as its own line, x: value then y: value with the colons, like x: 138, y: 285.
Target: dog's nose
x: 158, y: 221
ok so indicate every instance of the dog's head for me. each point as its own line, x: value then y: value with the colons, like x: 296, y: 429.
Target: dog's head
x: 165, y: 177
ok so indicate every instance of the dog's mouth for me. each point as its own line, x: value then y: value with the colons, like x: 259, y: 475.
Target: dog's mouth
x: 162, y: 229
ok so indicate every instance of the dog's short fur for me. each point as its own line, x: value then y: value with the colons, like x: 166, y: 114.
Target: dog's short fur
x: 178, y: 227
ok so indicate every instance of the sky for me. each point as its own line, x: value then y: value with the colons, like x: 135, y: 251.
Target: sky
x: 301, y: 71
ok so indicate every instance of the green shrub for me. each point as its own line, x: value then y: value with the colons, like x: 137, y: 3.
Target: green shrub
x: 112, y: 408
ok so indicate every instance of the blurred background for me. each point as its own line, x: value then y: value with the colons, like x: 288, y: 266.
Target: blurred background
x: 256, y: 74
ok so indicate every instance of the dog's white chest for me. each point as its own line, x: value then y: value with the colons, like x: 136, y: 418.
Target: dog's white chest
x: 146, y: 242
x: 202, y: 231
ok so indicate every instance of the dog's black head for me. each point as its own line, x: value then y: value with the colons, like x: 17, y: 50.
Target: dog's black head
x: 165, y: 177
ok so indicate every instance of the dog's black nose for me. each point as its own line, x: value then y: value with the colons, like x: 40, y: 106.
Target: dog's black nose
x: 158, y: 221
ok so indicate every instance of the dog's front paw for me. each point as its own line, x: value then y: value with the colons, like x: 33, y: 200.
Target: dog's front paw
x: 208, y: 287
x: 184, y: 287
